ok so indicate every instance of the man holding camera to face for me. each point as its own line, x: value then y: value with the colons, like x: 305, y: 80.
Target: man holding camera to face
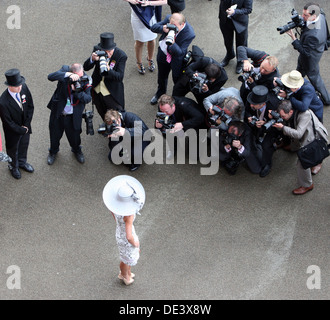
x: 311, y: 45
x: 121, y: 125
x: 176, y: 36
x: 203, y: 78
x: 109, y: 64
x: 67, y: 106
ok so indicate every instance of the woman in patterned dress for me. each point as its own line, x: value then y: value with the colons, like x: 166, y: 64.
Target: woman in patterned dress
x: 124, y: 196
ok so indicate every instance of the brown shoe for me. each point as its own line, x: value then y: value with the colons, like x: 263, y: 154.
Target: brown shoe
x: 316, y: 169
x: 302, y: 190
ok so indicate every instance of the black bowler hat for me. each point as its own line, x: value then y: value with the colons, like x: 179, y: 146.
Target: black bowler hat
x: 14, y: 78
x: 107, y: 41
x: 258, y: 95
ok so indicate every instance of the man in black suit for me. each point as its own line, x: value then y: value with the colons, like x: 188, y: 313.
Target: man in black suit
x: 132, y: 127
x: 183, y: 113
x: 170, y: 54
x: 312, y: 43
x: 73, y: 93
x: 216, y: 77
x: 265, y: 68
x: 108, y: 86
x: 234, y: 21
x: 16, y: 112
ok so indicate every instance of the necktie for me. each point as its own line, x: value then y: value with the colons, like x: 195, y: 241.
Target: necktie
x: 17, y: 97
x: 168, y: 58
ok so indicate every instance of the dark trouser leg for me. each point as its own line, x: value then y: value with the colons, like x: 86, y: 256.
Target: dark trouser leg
x: 72, y: 135
x: 56, y: 129
x: 17, y: 150
x: 181, y: 88
x: 164, y: 69
x: 23, y: 146
x: 105, y: 103
x: 227, y: 30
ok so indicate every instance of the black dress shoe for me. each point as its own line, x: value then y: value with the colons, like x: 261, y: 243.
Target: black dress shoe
x: 27, y: 167
x: 80, y: 157
x: 134, y: 167
x: 15, y: 172
x: 51, y: 158
x: 226, y: 60
x: 154, y: 100
x: 265, y: 171
x: 239, y: 68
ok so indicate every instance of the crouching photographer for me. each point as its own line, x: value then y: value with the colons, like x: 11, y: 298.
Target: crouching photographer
x: 236, y: 146
x: 67, y: 105
x: 117, y: 126
x: 203, y: 78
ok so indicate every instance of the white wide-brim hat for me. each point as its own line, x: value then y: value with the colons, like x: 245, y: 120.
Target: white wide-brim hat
x: 124, y: 195
x: 293, y: 79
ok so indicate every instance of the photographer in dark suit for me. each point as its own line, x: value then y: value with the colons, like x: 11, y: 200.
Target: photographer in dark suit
x: 184, y: 114
x: 312, y: 43
x: 16, y: 112
x: 171, y: 53
x: 264, y: 69
x: 216, y: 77
x: 132, y: 125
x: 234, y: 21
x: 108, y: 86
x: 236, y: 146
x: 72, y: 94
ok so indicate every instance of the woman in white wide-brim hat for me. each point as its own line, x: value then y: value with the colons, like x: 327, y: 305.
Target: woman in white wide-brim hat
x: 124, y: 196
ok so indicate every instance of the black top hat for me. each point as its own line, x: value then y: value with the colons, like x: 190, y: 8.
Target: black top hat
x: 14, y: 78
x: 258, y: 95
x: 107, y: 41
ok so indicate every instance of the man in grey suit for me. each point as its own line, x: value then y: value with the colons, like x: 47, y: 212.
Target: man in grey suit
x: 312, y: 43
x: 301, y: 134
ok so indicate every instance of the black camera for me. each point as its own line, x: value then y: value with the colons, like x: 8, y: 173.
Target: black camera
x: 229, y: 138
x: 246, y: 75
x: 281, y: 86
x: 88, y: 116
x: 254, y: 120
x: 108, y: 129
x: 276, y: 119
x: 296, y: 22
x: 197, y: 82
x: 219, y: 113
x: 103, y: 60
x: 79, y: 84
x: 165, y: 120
x: 171, y: 34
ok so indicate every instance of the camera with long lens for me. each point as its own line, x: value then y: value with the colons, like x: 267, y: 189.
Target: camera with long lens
x: 103, y: 60
x: 197, y: 82
x: 165, y: 120
x: 296, y: 22
x: 171, y: 34
x: 80, y: 83
x: 108, y: 129
x: 88, y: 116
x: 280, y: 86
x: 246, y: 75
x: 219, y: 114
x: 254, y: 120
x: 276, y: 118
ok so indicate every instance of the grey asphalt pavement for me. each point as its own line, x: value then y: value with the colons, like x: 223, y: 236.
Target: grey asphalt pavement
x: 202, y: 236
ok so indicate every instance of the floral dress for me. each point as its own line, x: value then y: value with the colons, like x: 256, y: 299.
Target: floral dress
x: 128, y: 253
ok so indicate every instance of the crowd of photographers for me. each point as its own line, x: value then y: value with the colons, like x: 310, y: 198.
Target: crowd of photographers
x: 246, y: 126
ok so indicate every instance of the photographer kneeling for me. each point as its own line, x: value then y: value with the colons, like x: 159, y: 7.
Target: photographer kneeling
x: 118, y: 124
x: 236, y: 146
x: 73, y: 92
x: 203, y: 78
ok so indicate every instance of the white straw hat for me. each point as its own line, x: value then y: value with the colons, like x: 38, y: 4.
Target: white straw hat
x: 293, y: 79
x: 124, y: 195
